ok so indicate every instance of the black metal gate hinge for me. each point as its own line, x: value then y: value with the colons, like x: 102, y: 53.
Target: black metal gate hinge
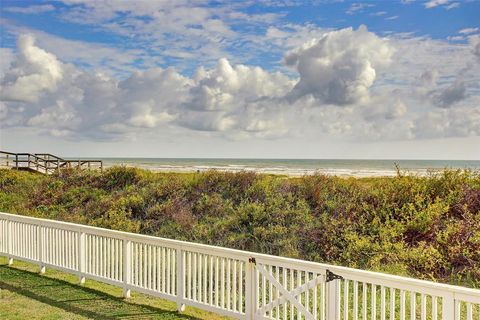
x: 252, y: 260
x: 330, y: 276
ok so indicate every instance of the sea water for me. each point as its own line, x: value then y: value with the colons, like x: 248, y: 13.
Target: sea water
x: 296, y: 167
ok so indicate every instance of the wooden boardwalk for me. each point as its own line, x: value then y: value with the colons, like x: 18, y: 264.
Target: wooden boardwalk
x: 45, y: 162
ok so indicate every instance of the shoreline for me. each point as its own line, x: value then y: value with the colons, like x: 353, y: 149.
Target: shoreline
x: 290, y: 172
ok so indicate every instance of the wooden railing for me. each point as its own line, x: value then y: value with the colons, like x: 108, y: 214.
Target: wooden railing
x: 239, y: 284
x: 45, y: 162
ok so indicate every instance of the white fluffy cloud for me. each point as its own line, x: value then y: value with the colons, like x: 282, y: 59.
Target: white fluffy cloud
x: 343, y: 85
x: 71, y: 102
x: 340, y: 67
x: 226, y: 86
x: 33, y: 72
x: 235, y: 98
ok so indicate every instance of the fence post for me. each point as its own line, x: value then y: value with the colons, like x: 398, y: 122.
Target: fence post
x: 250, y: 289
x: 127, y: 258
x: 40, y: 249
x: 448, y: 307
x: 180, y: 278
x: 16, y: 161
x: 81, y: 256
x: 333, y: 300
x: 9, y: 242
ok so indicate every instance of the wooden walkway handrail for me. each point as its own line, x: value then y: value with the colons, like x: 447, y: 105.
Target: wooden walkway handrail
x: 81, y: 160
x: 6, y: 152
x: 49, y: 155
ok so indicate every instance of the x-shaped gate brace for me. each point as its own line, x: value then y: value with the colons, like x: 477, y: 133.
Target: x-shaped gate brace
x: 287, y: 295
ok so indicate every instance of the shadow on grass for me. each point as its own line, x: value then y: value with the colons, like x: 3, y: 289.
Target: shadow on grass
x: 77, y: 299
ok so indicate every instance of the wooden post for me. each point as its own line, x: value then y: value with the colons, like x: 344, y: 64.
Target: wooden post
x: 448, y: 307
x: 16, y: 161
x: 9, y: 243
x: 7, y: 160
x: 127, y: 258
x: 81, y: 257
x: 333, y: 302
x: 250, y: 290
x: 41, y: 249
x: 180, y: 278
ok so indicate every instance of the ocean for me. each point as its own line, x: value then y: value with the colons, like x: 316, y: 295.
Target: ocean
x: 296, y: 167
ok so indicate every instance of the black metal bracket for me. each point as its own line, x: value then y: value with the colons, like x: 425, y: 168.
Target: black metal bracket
x: 252, y: 260
x: 330, y: 276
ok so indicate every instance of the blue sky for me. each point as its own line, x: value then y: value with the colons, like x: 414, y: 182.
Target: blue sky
x: 382, y: 17
x: 353, y: 74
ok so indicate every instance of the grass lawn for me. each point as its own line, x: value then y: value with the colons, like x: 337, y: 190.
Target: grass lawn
x: 24, y: 294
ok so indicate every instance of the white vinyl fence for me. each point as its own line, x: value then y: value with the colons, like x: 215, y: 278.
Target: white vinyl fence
x: 234, y: 283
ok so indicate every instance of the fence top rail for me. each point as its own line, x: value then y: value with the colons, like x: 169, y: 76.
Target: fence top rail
x: 348, y: 273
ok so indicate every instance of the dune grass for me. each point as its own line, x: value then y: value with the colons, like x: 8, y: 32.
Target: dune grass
x: 24, y: 294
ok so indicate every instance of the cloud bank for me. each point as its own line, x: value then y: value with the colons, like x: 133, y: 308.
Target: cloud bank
x: 345, y: 84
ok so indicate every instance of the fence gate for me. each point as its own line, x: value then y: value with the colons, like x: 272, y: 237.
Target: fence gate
x: 289, y: 292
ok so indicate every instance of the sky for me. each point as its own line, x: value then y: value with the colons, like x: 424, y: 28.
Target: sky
x: 241, y: 79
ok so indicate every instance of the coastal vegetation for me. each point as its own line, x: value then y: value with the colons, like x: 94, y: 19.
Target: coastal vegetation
x: 425, y: 227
